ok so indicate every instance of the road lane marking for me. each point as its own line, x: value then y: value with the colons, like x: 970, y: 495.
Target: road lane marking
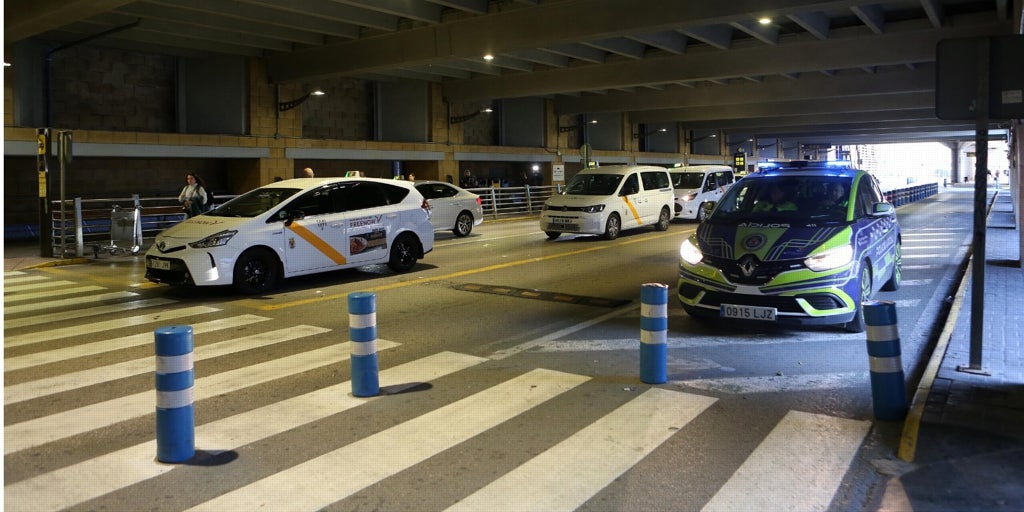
x: 82, y: 313
x: 106, y: 325
x: 95, y: 477
x: 111, y: 345
x: 799, y: 466
x: 65, y: 303
x: 69, y: 381
x: 20, y: 297
x: 779, y: 383
x: 602, y: 451
x: 32, y: 433
x: 395, y: 449
x: 30, y: 287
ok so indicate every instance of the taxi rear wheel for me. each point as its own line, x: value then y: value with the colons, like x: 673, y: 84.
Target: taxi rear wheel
x: 663, y: 220
x: 256, y: 271
x: 404, y: 253
x: 857, y: 323
x: 463, y: 224
x: 612, y: 227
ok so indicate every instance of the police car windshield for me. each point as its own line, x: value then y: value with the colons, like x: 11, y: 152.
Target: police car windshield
x: 794, y: 199
x: 253, y: 203
x: 687, y: 179
x: 593, y: 184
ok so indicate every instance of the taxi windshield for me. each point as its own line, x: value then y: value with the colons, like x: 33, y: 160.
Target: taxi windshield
x: 812, y: 199
x: 593, y: 184
x: 253, y: 203
x: 687, y: 179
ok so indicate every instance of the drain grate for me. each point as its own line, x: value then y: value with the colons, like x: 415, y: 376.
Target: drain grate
x: 525, y: 293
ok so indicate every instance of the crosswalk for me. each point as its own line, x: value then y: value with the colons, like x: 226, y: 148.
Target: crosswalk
x: 305, y: 450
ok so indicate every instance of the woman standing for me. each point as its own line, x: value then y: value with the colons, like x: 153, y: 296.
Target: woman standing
x: 193, y: 197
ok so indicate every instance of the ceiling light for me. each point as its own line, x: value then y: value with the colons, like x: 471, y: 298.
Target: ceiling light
x: 764, y: 20
x: 488, y: 57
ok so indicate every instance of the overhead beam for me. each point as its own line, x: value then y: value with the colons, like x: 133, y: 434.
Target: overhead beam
x: 27, y: 18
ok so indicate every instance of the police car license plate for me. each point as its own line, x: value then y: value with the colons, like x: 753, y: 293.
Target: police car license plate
x: 748, y: 312
x: 159, y: 264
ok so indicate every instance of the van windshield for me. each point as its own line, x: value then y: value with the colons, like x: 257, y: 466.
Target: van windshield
x: 793, y: 199
x: 593, y: 184
x: 687, y: 179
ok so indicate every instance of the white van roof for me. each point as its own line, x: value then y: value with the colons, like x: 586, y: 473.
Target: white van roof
x: 701, y: 168
x: 620, y: 169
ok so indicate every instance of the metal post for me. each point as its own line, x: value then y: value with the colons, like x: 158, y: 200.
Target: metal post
x: 980, y: 210
x: 175, y: 379
x: 888, y: 386
x: 362, y: 333
x: 43, y: 175
x: 653, y: 333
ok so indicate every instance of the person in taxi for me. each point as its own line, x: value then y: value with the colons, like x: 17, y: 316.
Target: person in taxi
x: 775, y: 202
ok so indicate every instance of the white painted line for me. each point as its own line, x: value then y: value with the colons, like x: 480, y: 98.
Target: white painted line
x: 68, y: 381
x: 34, y: 286
x: 598, y: 454
x: 14, y: 273
x: 82, y: 313
x: 106, y: 325
x: 32, y: 433
x: 65, y: 304
x: 799, y: 466
x: 916, y: 282
x: 922, y: 256
x: 921, y: 267
x: 101, y: 475
x: 135, y: 340
x: 381, y: 455
x: 544, y: 340
x: 914, y: 247
x: 51, y: 293
x: 780, y: 383
x: 23, y: 279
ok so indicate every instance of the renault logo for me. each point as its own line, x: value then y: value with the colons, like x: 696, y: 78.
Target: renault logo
x: 748, y: 264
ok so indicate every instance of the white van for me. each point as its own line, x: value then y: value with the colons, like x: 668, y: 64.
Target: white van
x: 606, y: 200
x: 698, y: 184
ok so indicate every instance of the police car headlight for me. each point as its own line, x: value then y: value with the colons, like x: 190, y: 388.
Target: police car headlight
x: 214, y: 240
x: 830, y: 259
x: 597, y: 208
x: 690, y: 253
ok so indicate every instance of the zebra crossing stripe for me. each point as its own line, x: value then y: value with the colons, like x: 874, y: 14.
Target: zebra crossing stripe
x: 66, y: 382
x: 606, y: 448
x: 135, y: 340
x: 19, y: 279
x: 19, y: 288
x: 106, y: 325
x: 64, y: 304
x: 69, y: 486
x: 799, y: 466
x: 35, y: 432
x: 396, y: 448
x: 51, y: 293
x: 82, y: 313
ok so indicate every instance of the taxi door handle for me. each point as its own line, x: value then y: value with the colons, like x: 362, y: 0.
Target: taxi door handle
x: 336, y: 224
x: 392, y: 215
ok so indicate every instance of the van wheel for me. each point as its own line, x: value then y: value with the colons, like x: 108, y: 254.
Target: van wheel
x: 553, y: 234
x: 463, y: 224
x: 404, y: 253
x: 663, y: 220
x: 612, y: 227
x: 896, y: 278
x: 256, y: 271
x: 702, y: 214
x: 857, y: 323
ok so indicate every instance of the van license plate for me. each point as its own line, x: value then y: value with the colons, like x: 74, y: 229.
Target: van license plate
x: 748, y: 312
x: 159, y: 264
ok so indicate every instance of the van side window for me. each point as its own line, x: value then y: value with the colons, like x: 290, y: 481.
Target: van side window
x: 630, y: 186
x: 655, y: 180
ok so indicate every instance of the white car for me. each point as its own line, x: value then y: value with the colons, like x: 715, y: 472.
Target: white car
x: 606, y: 200
x: 292, y: 228
x: 697, y: 185
x: 452, y: 208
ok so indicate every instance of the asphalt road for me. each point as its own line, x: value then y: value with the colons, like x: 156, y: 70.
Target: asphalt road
x: 509, y: 373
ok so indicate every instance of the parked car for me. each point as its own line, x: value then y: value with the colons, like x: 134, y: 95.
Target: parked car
x: 452, y: 208
x: 295, y: 227
x: 606, y: 200
x: 799, y: 243
x: 697, y: 185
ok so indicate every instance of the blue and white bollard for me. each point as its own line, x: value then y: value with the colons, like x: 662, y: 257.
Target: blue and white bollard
x: 653, y: 333
x: 362, y: 334
x: 888, y: 387
x: 175, y: 414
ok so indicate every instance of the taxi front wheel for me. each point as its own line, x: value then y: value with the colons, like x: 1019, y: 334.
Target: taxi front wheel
x: 256, y: 271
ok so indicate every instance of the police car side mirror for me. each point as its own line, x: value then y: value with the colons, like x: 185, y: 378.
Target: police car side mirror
x: 882, y: 210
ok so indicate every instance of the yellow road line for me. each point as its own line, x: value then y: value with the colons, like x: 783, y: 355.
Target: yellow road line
x: 454, y: 275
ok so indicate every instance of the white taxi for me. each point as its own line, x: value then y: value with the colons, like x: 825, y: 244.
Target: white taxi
x: 292, y: 228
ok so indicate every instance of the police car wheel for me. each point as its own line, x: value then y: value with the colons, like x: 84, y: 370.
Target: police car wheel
x: 896, y: 278
x: 702, y: 214
x: 403, y: 253
x: 857, y: 323
x: 463, y: 224
x: 612, y: 227
x: 663, y: 220
x: 256, y: 271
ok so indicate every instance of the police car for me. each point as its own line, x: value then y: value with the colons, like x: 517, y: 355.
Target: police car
x: 292, y: 228
x: 795, y: 243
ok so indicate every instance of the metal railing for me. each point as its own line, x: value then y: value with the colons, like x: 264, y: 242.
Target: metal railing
x: 515, y: 201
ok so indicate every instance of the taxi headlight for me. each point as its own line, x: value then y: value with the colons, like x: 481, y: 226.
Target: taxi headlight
x: 689, y: 197
x: 830, y: 259
x: 690, y: 253
x: 214, y: 240
x: 597, y: 208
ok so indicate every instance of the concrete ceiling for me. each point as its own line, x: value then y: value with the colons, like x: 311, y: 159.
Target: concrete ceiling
x: 839, y: 71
